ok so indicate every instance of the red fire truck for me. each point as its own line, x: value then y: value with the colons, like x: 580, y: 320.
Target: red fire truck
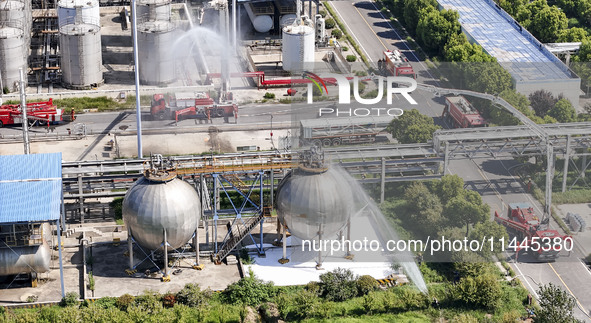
x: 38, y: 113
x: 462, y: 113
x: 196, y: 105
x: 395, y: 64
x: 525, y: 226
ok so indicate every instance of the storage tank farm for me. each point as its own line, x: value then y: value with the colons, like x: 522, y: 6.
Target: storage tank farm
x: 15, y: 30
x: 161, y: 210
x: 314, y: 201
x: 80, y: 43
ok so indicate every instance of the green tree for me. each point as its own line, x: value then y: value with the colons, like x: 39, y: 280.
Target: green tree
x: 542, y: 101
x: 574, y: 34
x: 547, y: 24
x: 423, y: 208
x: 249, y: 290
x: 481, y: 291
x: 435, y: 28
x: 486, y: 77
x: 487, y: 230
x: 556, y: 305
x: 512, y: 6
x: 413, y: 10
x: 448, y: 187
x: 329, y: 23
x: 467, y: 209
x: 339, y: 285
x: 563, y: 111
x: 412, y: 127
x: 502, y: 117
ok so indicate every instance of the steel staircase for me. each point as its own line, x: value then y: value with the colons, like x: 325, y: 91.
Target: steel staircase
x: 237, y: 233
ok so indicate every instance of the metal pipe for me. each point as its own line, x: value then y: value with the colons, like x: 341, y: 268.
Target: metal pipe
x: 383, y: 180
x: 234, y: 38
x: 284, y: 241
x: 25, y: 121
x: 196, y: 245
x: 566, y: 161
x: 130, y: 248
x: 138, y: 112
x: 165, y: 255
x: 59, y: 248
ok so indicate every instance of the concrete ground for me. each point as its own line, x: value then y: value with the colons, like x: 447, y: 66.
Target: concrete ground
x: 582, y: 239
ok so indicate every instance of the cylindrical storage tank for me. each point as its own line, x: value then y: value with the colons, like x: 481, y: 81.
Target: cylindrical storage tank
x: 12, y: 49
x: 156, y: 61
x: 157, y: 203
x: 262, y: 23
x: 150, y: 10
x: 81, y: 56
x: 298, y: 48
x: 78, y: 11
x: 287, y: 20
x: 12, y: 10
x: 313, y: 200
x: 26, y: 259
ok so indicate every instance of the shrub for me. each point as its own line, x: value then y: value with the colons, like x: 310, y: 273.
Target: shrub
x: 124, y: 301
x: 351, y: 58
x: 90, y: 281
x: 106, y: 302
x: 366, y: 284
x: 269, y: 95
x: 329, y: 23
x: 322, y: 13
x: 191, y: 295
x: 482, y: 291
x: 249, y: 290
x: 314, y: 287
x: 345, y: 48
x: 304, y: 304
x: 168, y: 300
x: 70, y: 299
x: 336, y: 33
x: 338, y: 285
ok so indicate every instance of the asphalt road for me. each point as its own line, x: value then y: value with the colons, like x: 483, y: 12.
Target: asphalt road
x: 491, y: 178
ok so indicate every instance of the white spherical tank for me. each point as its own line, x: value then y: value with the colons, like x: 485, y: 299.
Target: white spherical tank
x: 161, y: 202
x: 150, y: 10
x: 314, y: 200
x: 81, y: 55
x: 287, y: 20
x: 298, y: 48
x: 156, y: 62
x: 12, y: 54
x: 78, y: 11
x: 262, y: 23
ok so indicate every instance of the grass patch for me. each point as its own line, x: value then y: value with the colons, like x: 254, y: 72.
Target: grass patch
x: 101, y: 103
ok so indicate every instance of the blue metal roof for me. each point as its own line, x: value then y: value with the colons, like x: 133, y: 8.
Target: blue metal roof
x: 30, y: 187
x: 520, y: 53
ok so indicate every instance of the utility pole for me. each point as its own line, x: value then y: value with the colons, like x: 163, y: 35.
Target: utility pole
x: 138, y: 111
x: 25, y: 121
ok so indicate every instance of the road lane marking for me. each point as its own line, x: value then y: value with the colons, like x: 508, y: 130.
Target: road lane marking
x: 571, y: 293
x: 369, y: 26
x: 351, y: 30
x: 526, y: 281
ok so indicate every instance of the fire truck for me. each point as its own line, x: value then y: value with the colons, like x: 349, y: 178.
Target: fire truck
x: 526, y: 227
x: 462, y: 113
x: 192, y: 105
x: 38, y: 113
x: 395, y: 64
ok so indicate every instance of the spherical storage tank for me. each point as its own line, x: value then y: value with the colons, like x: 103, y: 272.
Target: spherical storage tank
x: 12, y: 53
x: 81, y: 55
x: 158, y: 202
x: 150, y: 10
x: 78, y: 11
x: 156, y: 61
x: 312, y: 200
x: 298, y: 48
x: 287, y: 20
